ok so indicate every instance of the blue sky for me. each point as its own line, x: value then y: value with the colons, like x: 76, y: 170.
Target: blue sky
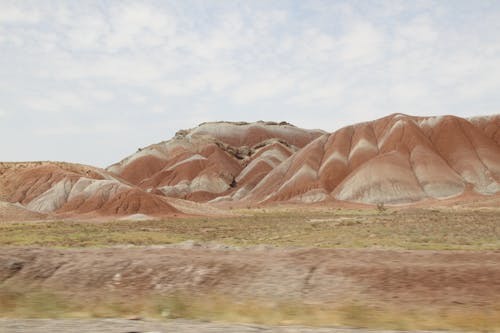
x: 91, y: 81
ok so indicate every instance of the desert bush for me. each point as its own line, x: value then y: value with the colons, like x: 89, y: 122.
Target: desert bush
x: 381, y: 207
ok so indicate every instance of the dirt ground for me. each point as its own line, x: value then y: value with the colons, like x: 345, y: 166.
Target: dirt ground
x: 260, y: 267
x: 176, y: 326
x: 325, y: 276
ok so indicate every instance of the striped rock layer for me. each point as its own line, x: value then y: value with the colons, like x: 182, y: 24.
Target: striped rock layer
x: 397, y: 159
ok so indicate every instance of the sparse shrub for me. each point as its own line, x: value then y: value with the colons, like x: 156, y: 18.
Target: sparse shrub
x: 380, y: 207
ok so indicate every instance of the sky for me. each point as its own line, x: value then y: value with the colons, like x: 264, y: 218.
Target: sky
x: 92, y: 81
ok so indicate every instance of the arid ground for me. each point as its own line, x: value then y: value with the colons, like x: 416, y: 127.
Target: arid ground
x: 402, y: 269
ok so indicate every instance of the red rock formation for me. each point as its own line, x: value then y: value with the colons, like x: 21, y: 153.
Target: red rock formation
x: 209, y: 161
x: 52, y: 187
x: 395, y: 159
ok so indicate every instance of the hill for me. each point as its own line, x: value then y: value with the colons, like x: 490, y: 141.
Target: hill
x: 398, y: 159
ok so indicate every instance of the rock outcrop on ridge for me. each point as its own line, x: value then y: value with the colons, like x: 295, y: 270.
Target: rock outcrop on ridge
x: 214, y: 159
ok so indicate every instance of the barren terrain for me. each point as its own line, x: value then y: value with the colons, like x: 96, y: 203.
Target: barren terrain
x: 445, y: 228
x: 263, y: 267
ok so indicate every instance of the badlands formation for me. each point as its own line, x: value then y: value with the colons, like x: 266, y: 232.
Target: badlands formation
x: 398, y: 159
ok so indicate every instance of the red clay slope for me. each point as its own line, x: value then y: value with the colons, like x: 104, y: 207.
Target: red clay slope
x: 396, y: 159
x: 209, y: 161
x: 73, y: 189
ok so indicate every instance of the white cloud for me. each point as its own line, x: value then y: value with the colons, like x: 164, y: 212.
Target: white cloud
x: 16, y: 13
x: 411, y: 92
x: 139, y: 25
x: 263, y: 87
x: 121, y: 70
x: 362, y: 44
x: 180, y: 87
x: 318, y: 94
x: 479, y: 83
x: 213, y: 80
x: 68, y: 129
x: 58, y: 101
x: 98, y: 95
x: 159, y: 109
x: 319, y: 64
x: 88, y: 33
x: 312, y: 46
x: 420, y: 29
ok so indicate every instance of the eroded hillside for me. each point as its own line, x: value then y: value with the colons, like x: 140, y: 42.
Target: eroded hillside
x: 398, y: 159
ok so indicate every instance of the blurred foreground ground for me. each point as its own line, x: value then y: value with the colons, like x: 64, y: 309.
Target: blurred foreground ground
x: 397, y: 289
x: 177, y: 326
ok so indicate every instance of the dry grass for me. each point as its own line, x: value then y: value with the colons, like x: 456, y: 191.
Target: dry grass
x: 20, y: 303
x: 419, y: 229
